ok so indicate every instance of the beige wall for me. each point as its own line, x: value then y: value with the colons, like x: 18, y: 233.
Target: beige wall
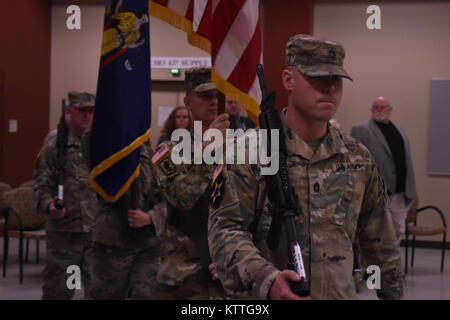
x: 75, y: 56
x: 398, y: 62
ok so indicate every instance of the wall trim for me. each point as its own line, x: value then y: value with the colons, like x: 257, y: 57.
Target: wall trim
x: 426, y: 244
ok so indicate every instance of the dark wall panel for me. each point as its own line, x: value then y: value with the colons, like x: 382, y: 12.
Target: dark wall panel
x: 438, y: 128
x: 25, y: 64
x: 282, y: 19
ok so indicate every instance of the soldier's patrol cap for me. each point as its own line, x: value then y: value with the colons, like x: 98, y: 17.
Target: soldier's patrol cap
x: 316, y: 57
x: 81, y: 99
x: 198, y: 80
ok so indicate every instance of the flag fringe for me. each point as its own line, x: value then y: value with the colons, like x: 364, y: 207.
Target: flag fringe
x: 179, y: 22
x: 250, y: 104
x: 114, y: 158
x: 121, y: 191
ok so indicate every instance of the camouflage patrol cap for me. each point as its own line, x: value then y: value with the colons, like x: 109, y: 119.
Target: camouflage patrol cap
x: 316, y: 57
x: 81, y: 99
x: 198, y: 79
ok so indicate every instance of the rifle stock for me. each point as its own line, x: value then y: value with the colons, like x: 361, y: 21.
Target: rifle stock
x: 61, y: 150
x: 281, y: 193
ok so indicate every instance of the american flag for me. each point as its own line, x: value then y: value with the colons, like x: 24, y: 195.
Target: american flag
x: 230, y: 31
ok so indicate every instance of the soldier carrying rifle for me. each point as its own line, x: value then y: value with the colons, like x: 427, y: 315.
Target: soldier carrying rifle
x: 64, y: 195
x: 335, y: 193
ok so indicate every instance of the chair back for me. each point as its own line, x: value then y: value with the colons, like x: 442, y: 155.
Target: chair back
x: 3, y: 188
x: 412, y: 212
x: 29, y: 183
x: 22, y: 199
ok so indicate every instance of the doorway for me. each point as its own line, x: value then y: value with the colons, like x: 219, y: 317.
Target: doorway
x: 166, y: 96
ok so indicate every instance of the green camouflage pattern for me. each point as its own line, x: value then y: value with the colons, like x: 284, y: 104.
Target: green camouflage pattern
x: 123, y: 273
x: 341, y: 195
x: 107, y: 230
x: 127, y: 268
x: 81, y: 99
x: 63, y: 250
x: 68, y: 238
x: 198, y: 79
x: 316, y: 57
x: 80, y: 198
x: 178, y: 262
x: 186, y: 252
x: 190, y: 289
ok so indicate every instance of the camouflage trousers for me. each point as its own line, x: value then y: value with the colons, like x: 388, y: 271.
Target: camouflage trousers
x: 191, y: 289
x: 63, y: 250
x: 123, y: 273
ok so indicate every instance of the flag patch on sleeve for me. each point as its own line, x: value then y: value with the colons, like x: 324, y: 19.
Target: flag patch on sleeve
x: 158, y: 155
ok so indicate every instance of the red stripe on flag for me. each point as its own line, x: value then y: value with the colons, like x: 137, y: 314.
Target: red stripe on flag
x: 190, y: 11
x: 162, y: 2
x: 113, y: 57
x: 244, y: 72
x: 224, y: 16
x: 204, y: 27
x: 109, y: 24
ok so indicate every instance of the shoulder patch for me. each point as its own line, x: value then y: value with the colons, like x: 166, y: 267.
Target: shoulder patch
x: 167, y: 166
x: 217, y: 186
x: 217, y: 172
x: 159, y: 154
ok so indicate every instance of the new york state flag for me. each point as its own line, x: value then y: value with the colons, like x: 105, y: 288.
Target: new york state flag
x: 122, y: 114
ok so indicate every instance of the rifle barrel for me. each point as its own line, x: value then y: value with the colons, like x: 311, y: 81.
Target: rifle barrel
x: 262, y: 81
x: 282, y: 193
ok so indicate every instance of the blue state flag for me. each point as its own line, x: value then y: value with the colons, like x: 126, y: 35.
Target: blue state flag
x: 122, y: 114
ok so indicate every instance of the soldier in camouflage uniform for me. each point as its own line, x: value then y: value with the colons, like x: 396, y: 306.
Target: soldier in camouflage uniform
x: 339, y: 189
x: 126, y: 250
x: 184, y: 272
x: 67, y: 230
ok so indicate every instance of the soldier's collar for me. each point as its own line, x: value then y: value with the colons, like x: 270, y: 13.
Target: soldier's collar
x: 73, y: 139
x: 336, y: 139
x: 331, y: 144
x: 294, y: 144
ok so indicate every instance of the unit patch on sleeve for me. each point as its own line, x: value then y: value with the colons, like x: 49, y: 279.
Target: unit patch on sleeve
x: 162, y: 160
x: 217, y: 186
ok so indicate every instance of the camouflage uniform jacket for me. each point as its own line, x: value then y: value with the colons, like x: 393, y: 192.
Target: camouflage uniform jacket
x: 80, y: 198
x: 185, y: 186
x: 341, y: 195
x: 107, y: 230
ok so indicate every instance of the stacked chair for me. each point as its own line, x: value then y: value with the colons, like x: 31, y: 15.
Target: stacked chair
x: 414, y: 229
x: 21, y: 221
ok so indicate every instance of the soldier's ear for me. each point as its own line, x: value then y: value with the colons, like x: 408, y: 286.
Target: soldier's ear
x: 69, y: 110
x: 287, y: 78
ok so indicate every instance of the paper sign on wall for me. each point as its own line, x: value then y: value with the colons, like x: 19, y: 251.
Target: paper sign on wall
x: 163, y: 114
x: 180, y: 62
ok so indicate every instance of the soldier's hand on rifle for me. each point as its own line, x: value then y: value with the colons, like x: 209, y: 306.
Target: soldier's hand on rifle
x: 54, y: 212
x: 221, y: 123
x: 137, y: 218
x: 213, y: 272
x: 281, y: 287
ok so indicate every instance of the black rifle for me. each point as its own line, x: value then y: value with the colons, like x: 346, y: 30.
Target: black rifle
x: 61, y: 151
x: 280, y: 191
